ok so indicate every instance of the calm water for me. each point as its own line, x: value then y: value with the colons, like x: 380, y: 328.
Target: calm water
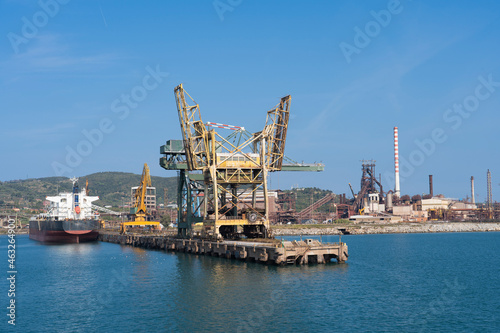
x: 419, y: 282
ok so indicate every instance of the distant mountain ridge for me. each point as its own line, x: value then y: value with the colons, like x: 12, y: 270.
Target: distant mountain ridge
x: 113, y: 188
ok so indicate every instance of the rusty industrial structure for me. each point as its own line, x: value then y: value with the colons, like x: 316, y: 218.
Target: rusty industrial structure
x: 372, y: 204
x: 431, y: 186
x: 286, y: 212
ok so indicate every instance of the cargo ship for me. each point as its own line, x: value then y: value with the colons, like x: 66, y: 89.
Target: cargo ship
x: 70, y: 218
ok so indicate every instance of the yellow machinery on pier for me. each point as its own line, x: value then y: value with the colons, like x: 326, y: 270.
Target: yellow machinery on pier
x: 223, y: 180
x: 139, y: 210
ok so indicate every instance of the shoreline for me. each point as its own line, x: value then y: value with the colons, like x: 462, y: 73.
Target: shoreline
x: 366, y: 228
x: 399, y: 228
x: 5, y: 231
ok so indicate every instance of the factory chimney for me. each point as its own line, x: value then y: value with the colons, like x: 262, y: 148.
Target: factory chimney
x: 431, y: 190
x: 396, y: 163
x: 472, y: 190
x: 489, y: 198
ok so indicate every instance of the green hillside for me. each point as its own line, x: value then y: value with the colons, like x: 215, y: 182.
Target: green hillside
x: 113, y: 188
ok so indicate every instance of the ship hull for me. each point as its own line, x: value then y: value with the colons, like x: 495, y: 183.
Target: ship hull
x: 67, y: 231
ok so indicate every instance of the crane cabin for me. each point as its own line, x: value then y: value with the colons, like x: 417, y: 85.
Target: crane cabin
x: 238, y: 161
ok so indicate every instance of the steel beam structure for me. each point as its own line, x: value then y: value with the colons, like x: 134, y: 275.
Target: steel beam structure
x: 221, y: 177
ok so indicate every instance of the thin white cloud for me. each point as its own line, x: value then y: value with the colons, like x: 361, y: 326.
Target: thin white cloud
x: 47, y: 133
x: 49, y: 52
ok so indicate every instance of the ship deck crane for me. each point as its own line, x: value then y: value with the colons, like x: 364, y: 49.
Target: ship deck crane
x: 139, y: 209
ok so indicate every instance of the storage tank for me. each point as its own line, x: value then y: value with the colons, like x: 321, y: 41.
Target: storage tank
x: 389, y: 200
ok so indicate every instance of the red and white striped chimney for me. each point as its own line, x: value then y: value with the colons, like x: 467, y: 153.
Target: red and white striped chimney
x: 396, y: 163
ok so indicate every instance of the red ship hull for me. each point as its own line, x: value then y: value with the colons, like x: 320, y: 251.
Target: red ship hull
x: 64, y: 231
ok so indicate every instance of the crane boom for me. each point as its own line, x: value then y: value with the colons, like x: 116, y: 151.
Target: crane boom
x: 140, y: 195
x: 276, y: 128
x: 352, y: 191
x: 194, y: 132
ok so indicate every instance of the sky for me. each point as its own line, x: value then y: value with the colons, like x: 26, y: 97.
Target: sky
x: 87, y: 86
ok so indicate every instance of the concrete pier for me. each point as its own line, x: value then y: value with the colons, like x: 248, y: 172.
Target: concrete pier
x: 275, y: 252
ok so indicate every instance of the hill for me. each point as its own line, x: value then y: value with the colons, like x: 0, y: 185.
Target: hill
x: 113, y: 188
x: 308, y: 195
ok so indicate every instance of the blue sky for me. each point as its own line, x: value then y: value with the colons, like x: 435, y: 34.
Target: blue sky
x: 354, y: 70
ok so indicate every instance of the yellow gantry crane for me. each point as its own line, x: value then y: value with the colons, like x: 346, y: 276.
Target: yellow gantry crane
x: 139, y: 210
x: 233, y: 175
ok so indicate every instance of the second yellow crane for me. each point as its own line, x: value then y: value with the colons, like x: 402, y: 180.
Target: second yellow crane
x: 139, y: 209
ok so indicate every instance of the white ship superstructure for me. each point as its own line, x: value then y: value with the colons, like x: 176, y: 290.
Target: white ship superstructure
x: 76, y: 205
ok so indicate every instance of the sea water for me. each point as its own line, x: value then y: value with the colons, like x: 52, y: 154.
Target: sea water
x: 390, y: 283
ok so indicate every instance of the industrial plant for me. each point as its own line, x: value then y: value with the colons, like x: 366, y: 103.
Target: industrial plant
x: 373, y: 204
x: 223, y: 183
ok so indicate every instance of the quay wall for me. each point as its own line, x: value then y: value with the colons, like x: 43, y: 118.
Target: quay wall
x: 279, y: 253
x: 400, y: 228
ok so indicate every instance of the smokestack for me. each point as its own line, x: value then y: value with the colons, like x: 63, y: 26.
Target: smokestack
x: 431, y: 190
x: 396, y: 163
x: 472, y: 190
x: 489, y: 198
